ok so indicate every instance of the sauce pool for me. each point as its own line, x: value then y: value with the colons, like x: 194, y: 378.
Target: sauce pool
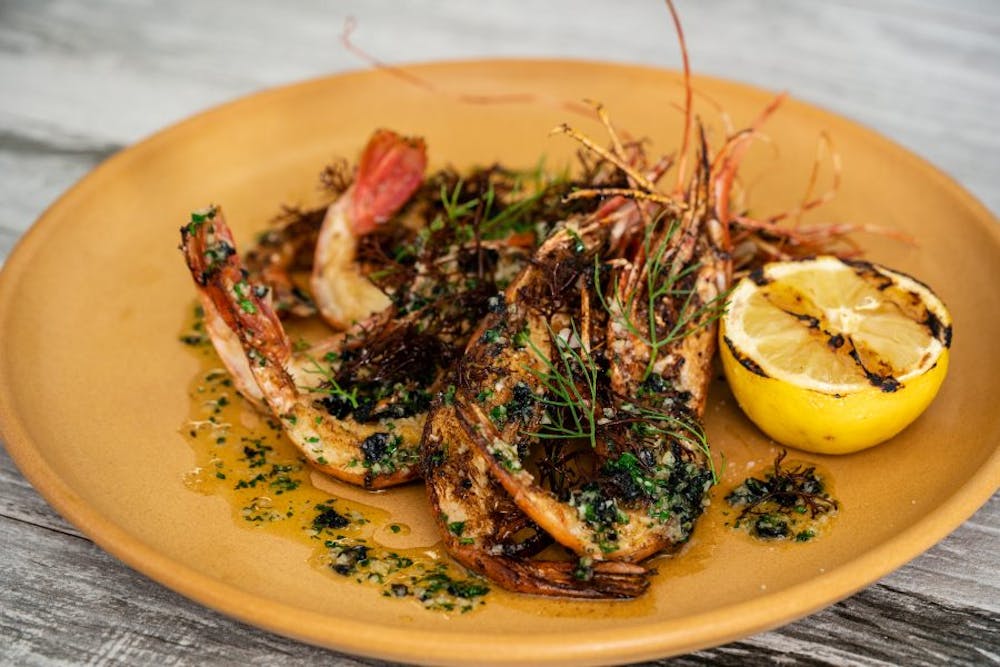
x: 243, y: 456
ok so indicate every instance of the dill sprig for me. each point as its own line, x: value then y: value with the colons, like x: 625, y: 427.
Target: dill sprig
x: 455, y: 210
x: 570, y: 407
x: 673, y: 426
x: 509, y: 218
x: 662, y: 283
x: 492, y: 223
x: 330, y: 385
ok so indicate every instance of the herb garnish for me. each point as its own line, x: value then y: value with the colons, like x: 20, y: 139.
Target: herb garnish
x: 651, y: 313
x: 785, y: 504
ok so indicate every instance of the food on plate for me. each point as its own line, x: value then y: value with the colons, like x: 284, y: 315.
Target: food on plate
x: 336, y: 446
x: 622, y: 296
x: 833, y: 356
x: 580, y: 399
x: 567, y: 329
x: 389, y: 172
x: 540, y: 349
x: 355, y: 403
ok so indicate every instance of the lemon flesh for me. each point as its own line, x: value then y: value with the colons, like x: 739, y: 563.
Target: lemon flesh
x: 832, y: 356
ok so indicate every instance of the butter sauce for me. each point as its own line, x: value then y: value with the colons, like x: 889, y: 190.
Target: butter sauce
x: 243, y: 456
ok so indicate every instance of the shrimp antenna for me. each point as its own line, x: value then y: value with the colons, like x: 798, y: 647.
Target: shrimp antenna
x: 688, y: 95
x: 611, y: 156
x: 351, y: 24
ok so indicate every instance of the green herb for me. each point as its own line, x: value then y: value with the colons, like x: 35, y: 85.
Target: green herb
x: 601, y: 512
x: 522, y: 338
x: 439, y: 590
x: 664, y: 284
x: 255, y: 451
x: 283, y: 483
x: 452, y: 208
x: 514, y: 218
x: 198, y: 218
x: 499, y: 414
x: 242, y: 291
x: 383, y: 453
x: 570, y: 380
x: 197, y: 336
x: 490, y: 336
x: 784, y: 504
x: 330, y: 385
x: 679, y: 426
x: 584, y: 570
x: 579, y: 247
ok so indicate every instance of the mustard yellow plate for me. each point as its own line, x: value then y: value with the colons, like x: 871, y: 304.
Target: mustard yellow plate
x: 94, y: 383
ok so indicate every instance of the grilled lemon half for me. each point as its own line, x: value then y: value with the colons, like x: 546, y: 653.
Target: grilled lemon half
x: 833, y: 356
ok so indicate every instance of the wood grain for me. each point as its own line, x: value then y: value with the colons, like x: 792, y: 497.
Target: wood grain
x: 81, y: 80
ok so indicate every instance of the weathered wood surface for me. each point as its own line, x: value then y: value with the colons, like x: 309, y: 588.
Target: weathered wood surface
x: 79, y: 80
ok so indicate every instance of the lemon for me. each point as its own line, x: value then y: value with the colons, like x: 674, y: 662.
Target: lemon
x: 833, y: 356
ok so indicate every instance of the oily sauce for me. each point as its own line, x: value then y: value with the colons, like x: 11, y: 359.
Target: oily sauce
x: 243, y: 456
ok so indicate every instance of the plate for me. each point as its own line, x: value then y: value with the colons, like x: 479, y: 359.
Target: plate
x: 94, y: 388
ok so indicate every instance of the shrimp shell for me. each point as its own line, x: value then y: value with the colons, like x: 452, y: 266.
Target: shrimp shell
x: 363, y: 454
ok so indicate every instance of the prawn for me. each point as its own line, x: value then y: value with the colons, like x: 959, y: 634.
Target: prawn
x: 577, y: 417
x: 621, y: 470
x: 355, y: 404
x: 484, y: 527
x: 475, y: 443
x: 391, y: 167
x: 325, y: 241
x: 390, y: 171
x: 485, y: 530
x: 360, y: 453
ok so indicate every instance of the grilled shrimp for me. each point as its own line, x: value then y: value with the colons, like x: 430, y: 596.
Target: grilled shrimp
x: 582, y: 399
x: 324, y: 241
x: 361, y: 453
x: 356, y: 403
x: 485, y: 530
x: 391, y: 169
x: 613, y: 476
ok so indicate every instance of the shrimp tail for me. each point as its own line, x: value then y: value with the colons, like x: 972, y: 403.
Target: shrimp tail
x: 390, y: 171
x: 236, y: 314
x: 358, y: 453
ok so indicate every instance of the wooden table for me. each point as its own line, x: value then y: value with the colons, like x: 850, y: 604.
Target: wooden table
x: 81, y: 80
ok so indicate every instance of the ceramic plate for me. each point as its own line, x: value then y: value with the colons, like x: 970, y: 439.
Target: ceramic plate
x: 94, y: 381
